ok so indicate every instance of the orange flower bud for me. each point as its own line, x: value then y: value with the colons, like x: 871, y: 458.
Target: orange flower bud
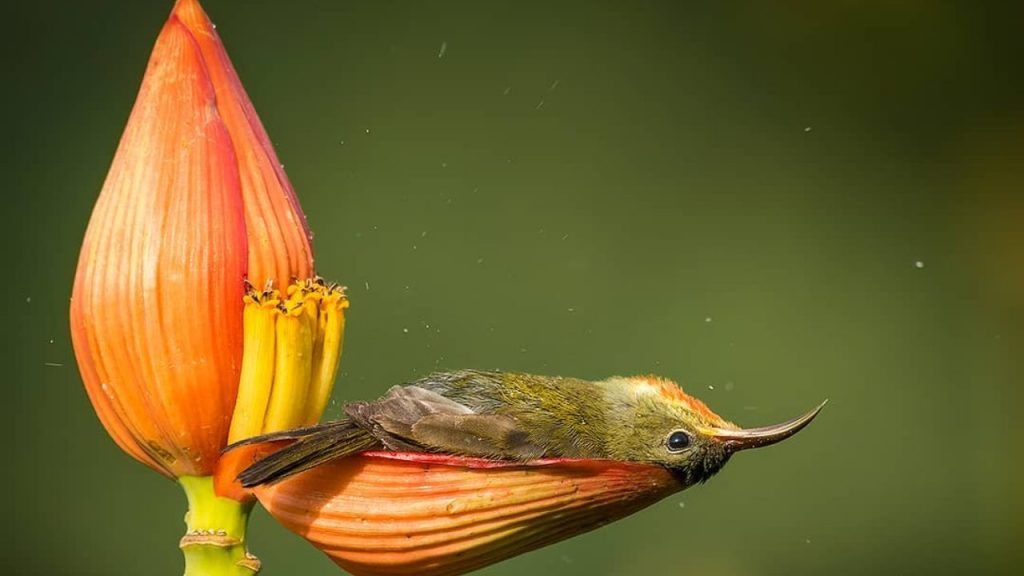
x: 195, y: 202
x: 431, y: 515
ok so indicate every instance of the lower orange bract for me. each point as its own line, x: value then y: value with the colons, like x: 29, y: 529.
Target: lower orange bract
x: 431, y: 515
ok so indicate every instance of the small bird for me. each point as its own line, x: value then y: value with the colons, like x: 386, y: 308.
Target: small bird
x: 519, y: 417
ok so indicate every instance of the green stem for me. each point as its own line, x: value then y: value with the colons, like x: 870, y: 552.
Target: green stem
x: 214, y: 543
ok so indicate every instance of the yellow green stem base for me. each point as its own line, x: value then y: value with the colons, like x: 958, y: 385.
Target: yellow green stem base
x: 214, y: 541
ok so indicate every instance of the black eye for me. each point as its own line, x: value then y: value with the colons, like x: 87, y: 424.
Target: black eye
x: 678, y: 441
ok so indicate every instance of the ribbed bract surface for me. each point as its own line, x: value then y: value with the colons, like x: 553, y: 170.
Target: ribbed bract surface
x: 430, y: 515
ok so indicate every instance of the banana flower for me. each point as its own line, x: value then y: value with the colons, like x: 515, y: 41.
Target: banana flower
x: 166, y: 332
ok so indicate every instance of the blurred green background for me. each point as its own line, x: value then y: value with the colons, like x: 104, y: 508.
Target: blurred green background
x: 772, y: 203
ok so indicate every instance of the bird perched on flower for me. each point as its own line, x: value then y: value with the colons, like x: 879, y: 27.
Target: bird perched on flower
x: 461, y: 469
x: 522, y: 417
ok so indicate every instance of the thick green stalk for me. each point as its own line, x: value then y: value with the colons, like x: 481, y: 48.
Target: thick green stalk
x: 214, y: 543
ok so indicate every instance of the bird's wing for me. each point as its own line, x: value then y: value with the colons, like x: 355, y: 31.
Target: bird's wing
x: 407, y: 418
x: 411, y: 416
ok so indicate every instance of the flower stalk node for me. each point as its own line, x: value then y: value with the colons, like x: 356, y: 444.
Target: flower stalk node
x: 250, y: 562
x: 214, y: 540
x: 217, y: 538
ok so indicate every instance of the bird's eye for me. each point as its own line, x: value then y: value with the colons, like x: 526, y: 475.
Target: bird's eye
x: 678, y: 441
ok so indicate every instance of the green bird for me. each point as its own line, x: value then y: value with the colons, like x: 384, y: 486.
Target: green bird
x: 522, y: 417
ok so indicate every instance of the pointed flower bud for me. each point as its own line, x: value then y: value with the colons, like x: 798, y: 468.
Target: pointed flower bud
x: 433, y: 515
x: 195, y: 202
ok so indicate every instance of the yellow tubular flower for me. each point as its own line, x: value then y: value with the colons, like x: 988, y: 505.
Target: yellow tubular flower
x: 257, y: 371
x: 327, y: 352
x: 293, y: 365
x: 292, y: 350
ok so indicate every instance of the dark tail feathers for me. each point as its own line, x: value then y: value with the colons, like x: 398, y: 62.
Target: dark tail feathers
x: 313, y: 446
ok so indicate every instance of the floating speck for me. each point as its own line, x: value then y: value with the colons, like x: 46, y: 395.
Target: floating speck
x: 807, y: 128
x: 554, y: 85
x: 444, y: 48
x: 708, y: 319
x: 367, y: 130
x: 572, y: 309
x: 51, y: 340
x: 808, y: 541
x: 405, y: 330
x: 28, y: 300
x: 342, y: 142
x: 711, y: 387
x: 53, y: 364
x: 423, y: 234
x: 506, y: 91
x: 479, y: 260
x: 729, y: 385
x: 918, y: 264
x: 523, y: 350
x: 565, y: 236
x: 682, y: 504
x: 444, y: 164
x: 540, y: 104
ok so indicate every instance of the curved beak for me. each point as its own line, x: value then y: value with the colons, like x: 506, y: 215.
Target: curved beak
x: 742, y: 439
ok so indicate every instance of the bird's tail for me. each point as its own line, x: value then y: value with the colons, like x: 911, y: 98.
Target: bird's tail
x: 311, y: 447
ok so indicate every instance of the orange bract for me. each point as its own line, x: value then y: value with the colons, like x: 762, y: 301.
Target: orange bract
x: 194, y: 202
x: 279, y: 242
x: 431, y: 515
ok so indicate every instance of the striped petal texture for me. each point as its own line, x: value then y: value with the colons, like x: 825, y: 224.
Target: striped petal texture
x: 384, y: 513
x: 195, y: 202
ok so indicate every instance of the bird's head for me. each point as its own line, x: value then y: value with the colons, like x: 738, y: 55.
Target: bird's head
x: 657, y: 422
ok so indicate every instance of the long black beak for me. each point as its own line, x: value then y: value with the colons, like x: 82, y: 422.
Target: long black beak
x: 742, y: 439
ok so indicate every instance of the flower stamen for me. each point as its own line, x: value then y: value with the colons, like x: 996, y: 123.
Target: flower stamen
x: 292, y: 349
